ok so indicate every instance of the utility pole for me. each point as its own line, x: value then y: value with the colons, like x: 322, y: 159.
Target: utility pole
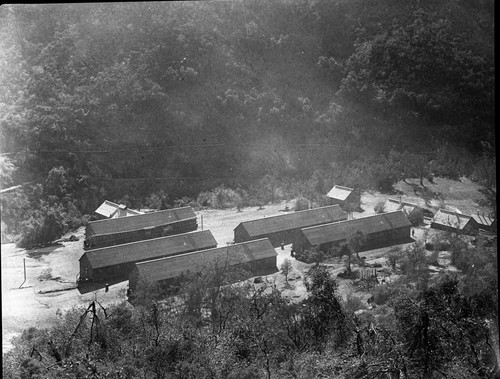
x: 24, y: 264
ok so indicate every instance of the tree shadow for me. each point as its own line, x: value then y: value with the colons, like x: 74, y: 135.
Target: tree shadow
x: 37, y: 253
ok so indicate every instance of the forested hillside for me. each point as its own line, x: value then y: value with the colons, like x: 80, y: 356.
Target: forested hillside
x: 147, y: 103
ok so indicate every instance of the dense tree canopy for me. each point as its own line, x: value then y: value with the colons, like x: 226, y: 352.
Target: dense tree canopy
x: 182, y: 97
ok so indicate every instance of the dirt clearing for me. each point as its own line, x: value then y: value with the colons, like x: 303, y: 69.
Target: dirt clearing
x: 51, y: 272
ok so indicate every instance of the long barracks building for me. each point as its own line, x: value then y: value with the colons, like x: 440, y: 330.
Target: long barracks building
x: 256, y: 257
x: 117, y: 261
x: 380, y: 230
x: 116, y: 231
x: 284, y: 228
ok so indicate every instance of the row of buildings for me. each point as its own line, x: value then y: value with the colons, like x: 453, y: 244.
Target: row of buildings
x: 160, y: 246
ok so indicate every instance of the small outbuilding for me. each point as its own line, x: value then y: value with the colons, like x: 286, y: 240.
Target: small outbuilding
x: 485, y: 222
x: 380, y: 230
x: 454, y: 222
x: 116, y: 231
x: 108, y: 209
x: 283, y: 228
x: 258, y: 257
x: 344, y: 195
x: 411, y: 211
x: 117, y: 261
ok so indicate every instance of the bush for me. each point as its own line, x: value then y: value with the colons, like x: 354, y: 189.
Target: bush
x: 220, y: 198
x: 157, y: 200
x: 43, y: 226
x: 380, y: 207
x: 301, y: 204
x: 310, y: 256
x: 353, y: 303
x: 381, y: 294
x: 394, y: 256
x: 185, y: 202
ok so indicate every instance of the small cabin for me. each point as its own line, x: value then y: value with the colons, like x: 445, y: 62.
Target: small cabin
x: 454, y: 222
x: 344, y: 196
x: 108, y: 209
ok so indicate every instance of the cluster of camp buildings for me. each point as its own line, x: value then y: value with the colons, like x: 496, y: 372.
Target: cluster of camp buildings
x: 163, y: 245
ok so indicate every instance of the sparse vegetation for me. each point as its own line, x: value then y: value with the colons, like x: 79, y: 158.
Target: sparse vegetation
x: 286, y: 269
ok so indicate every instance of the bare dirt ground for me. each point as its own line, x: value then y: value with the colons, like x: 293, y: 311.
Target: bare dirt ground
x: 51, y: 271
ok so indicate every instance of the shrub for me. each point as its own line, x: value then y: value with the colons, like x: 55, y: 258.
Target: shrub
x: 381, y: 294
x: 394, y: 256
x: 43, y: 226
x: 380, y: 207
x: 157, y: 200
x: 220, y: 198
x: 353, y: 303
x: 185, y: 201
x: 310, y: 256
x: 301, y: 204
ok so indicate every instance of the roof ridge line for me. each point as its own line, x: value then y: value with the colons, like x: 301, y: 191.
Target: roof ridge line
x: 228, y: 247
x: 354, y: 219
x: 172, y: 236
x: 336, y: 206
x: 142, y: 214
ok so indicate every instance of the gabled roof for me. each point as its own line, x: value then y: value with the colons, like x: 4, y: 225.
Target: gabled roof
x: 172, y: 267
x: 108, y: 209
x: 451, y: 219
x: 393, y: 205
x: 294, y: 220
x: 150, y: 249
x: 344, y: 229
x: 141, y: 221
x: 483, y: 219
x: 339, y: 192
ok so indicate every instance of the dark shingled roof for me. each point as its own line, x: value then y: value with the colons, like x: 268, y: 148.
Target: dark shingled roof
x: 147, y: 220
x: 294, y: 220
x: 338, y: 231
x: 150, y: 249
x: 172, y: 267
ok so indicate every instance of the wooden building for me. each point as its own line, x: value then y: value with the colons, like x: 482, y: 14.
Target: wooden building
x: 454, y: 222
x: 344, y: 195
x: 116, y: 231
x: 381, y: 230
x: 284, y: 228
x: 117, y: 261
x: 108, y: 209
x: 258, y: 257
x: 410, y: 210
x: 485, y: 222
